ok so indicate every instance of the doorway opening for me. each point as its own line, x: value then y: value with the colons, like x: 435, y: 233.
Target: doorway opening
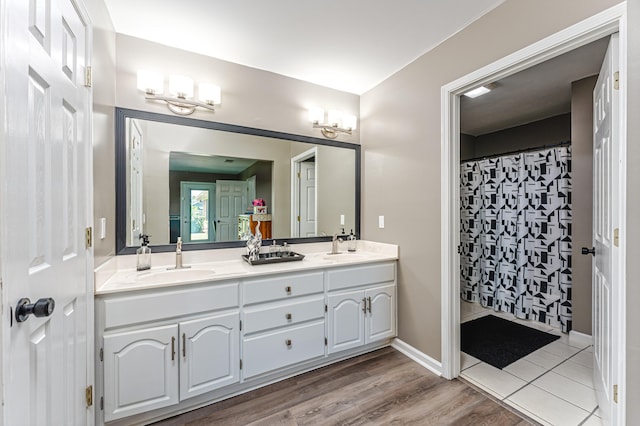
x: 592, y: 29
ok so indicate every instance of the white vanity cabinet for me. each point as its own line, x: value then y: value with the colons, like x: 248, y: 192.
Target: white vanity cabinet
x: 165, y: 350
x: 361, y: 305
x: 283, y: 321
x: 165, y: 346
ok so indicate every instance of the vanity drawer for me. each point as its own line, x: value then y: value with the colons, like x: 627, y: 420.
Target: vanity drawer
x: 159, y: 305
x: 282, y: 287
x: 283, y: 315
x: 355, y: 276
x: 267, y: 352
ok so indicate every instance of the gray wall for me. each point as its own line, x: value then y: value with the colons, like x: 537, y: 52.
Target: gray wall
x: 549, y: 131
x: 103, y: 64
x: 400, y: 134
x: 582, y: 200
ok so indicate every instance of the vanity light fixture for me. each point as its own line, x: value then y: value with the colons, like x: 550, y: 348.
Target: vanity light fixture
x: 337, y: 122
x: 181, y: 92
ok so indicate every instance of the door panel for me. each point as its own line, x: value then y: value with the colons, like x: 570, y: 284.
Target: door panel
x: 46, y: 181
x: 346, y: 321
x: 231, y: 201
x: 209, y: 354
x: 381, y: 321
x: 605, y: 210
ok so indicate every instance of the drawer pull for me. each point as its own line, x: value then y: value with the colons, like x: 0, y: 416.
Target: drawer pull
x: 364, y: 305
x: 369, y: 298
x: 173, y: 348
x: 289, y: 316
x: 184, y: 345
x: 288, y: 342
x: 288, y: 289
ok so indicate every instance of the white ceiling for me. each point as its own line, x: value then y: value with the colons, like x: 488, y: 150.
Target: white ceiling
x: 349, y: 45
x: 185, y: 162
x: 536, y: 93
x: 352, y: 45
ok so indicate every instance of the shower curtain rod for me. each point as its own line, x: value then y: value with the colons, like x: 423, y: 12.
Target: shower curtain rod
x: 518, y: 151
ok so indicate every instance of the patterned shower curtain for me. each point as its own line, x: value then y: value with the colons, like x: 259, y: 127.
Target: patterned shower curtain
x: 516, y: 235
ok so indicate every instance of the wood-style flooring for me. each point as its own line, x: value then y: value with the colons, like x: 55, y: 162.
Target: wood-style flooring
x: 379, y: 388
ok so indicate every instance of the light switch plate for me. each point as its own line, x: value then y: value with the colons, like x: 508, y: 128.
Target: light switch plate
x: 380, y: 222
x: 341, y: 219
x: 103, y: 228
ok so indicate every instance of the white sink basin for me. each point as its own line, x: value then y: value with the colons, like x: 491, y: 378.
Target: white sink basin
x: 175, y: 275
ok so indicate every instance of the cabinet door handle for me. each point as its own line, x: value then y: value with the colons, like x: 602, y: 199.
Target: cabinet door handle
x: 364, y: 305
x: 288, y: 316
x: 173, y: 348
x: 288, y: 289
x: 369, y: 298
x: 184, y: 345
x: 288, y: 342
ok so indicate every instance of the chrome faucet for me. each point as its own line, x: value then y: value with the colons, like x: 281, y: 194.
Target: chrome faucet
x: 334, y: 244
x: 179, y: 256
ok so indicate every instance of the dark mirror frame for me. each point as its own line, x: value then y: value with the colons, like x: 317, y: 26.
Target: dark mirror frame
x: 121, y: 114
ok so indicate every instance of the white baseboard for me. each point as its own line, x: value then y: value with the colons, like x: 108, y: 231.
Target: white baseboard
x: 580, y: 339
x: 421, y: 358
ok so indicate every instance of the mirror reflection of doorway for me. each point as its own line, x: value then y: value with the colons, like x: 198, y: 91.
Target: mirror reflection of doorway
x: 304, y: 221
x: 196, y: 211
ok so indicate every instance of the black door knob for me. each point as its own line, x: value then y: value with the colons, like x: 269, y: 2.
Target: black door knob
x: 591, y: 251
x: 42, y: 308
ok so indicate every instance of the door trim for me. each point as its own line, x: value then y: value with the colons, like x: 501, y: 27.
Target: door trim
x: 598, y: 26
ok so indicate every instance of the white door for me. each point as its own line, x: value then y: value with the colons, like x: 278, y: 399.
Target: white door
x: 46, y: 206
x: 231, y: 202
x: 605, y: 214
x: 307, y: 199
x: 135, y: 179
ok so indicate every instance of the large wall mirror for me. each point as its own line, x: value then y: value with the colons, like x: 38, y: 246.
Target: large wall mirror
x: 200, y: 180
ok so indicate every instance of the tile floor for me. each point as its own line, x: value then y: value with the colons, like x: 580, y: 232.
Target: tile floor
x: 553, y: 385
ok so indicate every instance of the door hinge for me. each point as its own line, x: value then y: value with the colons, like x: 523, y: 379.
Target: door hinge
x: 615, y: 393
x: 326, y: 308
x: 298, y: 175
x: 89, y: 236
x: 616, y: 80
x: 616, y: 237
x: 241, y: 364
x: 101, y: 354
x: 88, y: 77
x: 89, y: 395
x: 298, y: 218
x: 326, y: 341
x: 240, y: 325
x: 102, y: 402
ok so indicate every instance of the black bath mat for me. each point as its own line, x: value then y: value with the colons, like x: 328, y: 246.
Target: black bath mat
x: 500, y: 342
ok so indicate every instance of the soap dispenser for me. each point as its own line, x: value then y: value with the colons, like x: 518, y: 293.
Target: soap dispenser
x: 143, y: 254
x: 351, y: 242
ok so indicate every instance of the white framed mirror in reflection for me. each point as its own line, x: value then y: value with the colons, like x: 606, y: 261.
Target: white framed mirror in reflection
x: 210, y: 183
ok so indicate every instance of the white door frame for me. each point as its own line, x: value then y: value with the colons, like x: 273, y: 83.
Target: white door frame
x: 605, y: 23
x: 295, y: 189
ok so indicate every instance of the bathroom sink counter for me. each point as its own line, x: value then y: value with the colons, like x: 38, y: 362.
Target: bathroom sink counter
x: 119, y: 274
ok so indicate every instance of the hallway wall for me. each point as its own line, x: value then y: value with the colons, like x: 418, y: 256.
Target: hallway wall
x: 401, y: 138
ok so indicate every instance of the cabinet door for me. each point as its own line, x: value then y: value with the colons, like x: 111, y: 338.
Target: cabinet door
x: 140, y: 371
x: 346, y: 320
x: 209, y: 354
x: 381, y: 315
